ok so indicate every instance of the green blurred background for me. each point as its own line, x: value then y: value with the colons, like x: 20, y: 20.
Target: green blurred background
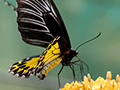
x: 84, y: 19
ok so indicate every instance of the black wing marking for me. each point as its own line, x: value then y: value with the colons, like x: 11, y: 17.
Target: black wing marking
x: 39, y: 22
x: 25, y: 67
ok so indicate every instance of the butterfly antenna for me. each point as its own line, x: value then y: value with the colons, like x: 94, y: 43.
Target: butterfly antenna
x: 89, y: 40
x: 10, y: 5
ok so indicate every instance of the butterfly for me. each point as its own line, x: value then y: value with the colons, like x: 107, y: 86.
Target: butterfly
x: 39, y: 23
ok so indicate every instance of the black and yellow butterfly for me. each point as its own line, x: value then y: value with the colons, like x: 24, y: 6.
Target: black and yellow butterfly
x: 40, y: 24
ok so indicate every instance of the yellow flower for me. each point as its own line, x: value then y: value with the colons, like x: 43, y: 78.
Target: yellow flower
x: 99, y: 84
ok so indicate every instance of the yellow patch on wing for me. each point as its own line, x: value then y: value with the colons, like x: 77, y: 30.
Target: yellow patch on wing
x: 52, y: 52
x: 50, y: 58
x: 25, y: 66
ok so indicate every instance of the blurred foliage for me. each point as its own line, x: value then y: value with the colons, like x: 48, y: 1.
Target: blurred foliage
x: 84, y: 19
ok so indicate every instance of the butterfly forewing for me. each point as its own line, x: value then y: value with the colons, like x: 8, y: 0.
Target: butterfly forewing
x: 39, y: 22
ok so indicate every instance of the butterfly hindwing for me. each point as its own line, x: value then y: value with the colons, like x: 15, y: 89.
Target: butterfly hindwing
x: 51, y: 57
x: 39, y: 22
x: 40, y: 65
x: 25, y: 67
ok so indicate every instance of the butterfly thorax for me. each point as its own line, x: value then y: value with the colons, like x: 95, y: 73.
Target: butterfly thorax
x: 67, y: 57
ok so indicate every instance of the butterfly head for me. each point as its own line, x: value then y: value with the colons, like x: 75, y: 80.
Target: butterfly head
x: 74, y: 52
x: 67, y: 57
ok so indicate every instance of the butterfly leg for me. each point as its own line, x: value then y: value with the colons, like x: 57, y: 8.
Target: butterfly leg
x: 84, y: 64
x: 81, y: 66
x: 10, y: 5
x: 59, y: 77
x: 72, y: 68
